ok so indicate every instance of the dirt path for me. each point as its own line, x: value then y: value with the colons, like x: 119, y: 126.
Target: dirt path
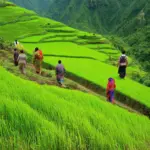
x: 48, y: 77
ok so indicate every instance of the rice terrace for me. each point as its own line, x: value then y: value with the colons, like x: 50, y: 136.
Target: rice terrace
x: 74, y: 84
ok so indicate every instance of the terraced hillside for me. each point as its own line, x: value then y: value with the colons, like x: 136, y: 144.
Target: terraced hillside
x: 87, y: 53
x: 42, y: 117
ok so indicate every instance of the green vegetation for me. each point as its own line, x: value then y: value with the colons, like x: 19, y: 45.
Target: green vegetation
x: 30, y: 28
x: 127, y: 19
x: 42, y: 117
x: 140, y: 49
x: 34, y: 116
x: 99, y: 72
x: 32, y: 31
x: 3, y: 1
x: 36, y: 5
x: 66, y: 49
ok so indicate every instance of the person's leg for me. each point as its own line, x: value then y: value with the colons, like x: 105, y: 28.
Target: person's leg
x: 112, y: 99
x: 125, y: 71
x: 61, y: 81
x: 40, y: 67
x: 121, y: 72
x: 37, y: 69
x: 23, y: 68
x: 20, y: 67
x: 58, y: 80
x: 108, y: 97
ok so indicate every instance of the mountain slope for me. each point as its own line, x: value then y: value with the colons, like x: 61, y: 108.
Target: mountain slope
x: 104, y: 16
x: 127, y: 19
x: 42, y: 117
x: 58, y: 40
x: 36, y: 5
x: 101, y: 16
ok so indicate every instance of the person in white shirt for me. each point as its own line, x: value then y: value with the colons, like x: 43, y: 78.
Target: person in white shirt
x: 16, y: 43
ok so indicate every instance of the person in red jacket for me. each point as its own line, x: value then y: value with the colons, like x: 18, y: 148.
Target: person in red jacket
x: 110, y: 90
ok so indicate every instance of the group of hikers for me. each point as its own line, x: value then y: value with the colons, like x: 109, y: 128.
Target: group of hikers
x: 21, y: 60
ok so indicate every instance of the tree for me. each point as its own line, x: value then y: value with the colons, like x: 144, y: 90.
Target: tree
x: 3, y: 1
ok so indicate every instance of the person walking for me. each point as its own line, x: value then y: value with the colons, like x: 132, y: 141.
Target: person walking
x: 60, y: 71
x: 18, y: 45
x: 16, y: 55
x: 110, y: 90
x: 37, y: 60
x: 22, y: 61
x: 122, y: 63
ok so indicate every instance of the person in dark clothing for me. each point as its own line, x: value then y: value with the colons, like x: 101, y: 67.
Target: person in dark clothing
x: 16, y: 54
x: 122, y: 63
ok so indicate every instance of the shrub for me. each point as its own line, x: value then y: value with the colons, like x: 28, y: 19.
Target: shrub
x: 5, y: 44
x: 147, y: 83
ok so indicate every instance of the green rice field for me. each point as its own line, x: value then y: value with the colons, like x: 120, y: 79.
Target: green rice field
x: 98, y: 72
x: 42, y: 117
x: 66, y: 49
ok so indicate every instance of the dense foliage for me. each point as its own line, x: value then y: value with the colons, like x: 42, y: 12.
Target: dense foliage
x: 40, y: 6
x: 140, y: 46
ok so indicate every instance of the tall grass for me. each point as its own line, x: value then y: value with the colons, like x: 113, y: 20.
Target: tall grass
x: 42, y: 117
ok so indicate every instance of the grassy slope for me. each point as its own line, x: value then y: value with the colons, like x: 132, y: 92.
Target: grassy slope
x: 99, y: 72
x: 38, y: 26
x: 22, y: 22
x: 66, y: 49
x: 48, y: 77
x: 66, y: 119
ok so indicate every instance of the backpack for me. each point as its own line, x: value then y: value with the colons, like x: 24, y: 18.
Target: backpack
x: 123, y: 59
x: 39, y: 55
